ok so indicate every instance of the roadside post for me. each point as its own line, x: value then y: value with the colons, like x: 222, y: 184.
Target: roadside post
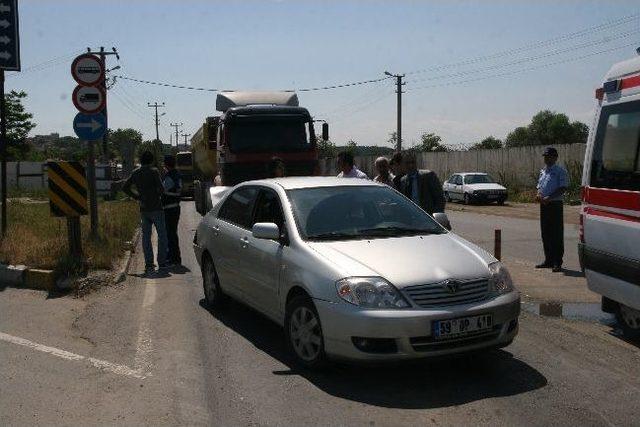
x: 497, y: 244
x: 90, y: 125
x: 10, y: 61
x: 68, y: 198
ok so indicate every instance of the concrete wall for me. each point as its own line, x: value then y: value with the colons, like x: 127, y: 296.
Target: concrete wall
x: 33, y: 176
x: 514, y: 166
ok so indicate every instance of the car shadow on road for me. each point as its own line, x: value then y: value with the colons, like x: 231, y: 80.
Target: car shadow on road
x: 415, y: 385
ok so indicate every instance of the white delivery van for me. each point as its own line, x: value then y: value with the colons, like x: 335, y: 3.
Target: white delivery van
x: 610, y: 219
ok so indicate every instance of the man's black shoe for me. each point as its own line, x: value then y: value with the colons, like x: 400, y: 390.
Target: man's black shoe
x: 544, y: 265
x: 556, y: 268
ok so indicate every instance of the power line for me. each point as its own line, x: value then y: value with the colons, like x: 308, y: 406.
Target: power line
x: 524, y: 69
x: 530, y: 59
x: 535, y: 45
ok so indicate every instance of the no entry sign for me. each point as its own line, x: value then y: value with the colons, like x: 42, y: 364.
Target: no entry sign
x: 87, y: 70
x: 89, y: 99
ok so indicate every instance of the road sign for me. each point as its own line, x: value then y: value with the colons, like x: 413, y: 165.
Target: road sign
x: 67, y: 189
x: 9, y: 36
x: 87, y: 69
x: 89, y: 99
x: 89, y: 126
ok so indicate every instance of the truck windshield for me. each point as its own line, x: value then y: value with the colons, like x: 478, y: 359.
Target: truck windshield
x: 183, y: 159
x: 616, y: 153
x: 264, y: 135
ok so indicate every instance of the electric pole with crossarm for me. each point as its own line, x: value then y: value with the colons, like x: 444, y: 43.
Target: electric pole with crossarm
x: 176, y: 126
x: 399, y: 85
x: 186, y: 135
x: 156, y: 106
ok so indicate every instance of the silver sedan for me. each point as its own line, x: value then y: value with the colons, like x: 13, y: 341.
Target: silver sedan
x: 353, y: 270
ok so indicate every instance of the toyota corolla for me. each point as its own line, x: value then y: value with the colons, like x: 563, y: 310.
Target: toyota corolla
x: 353, y: 270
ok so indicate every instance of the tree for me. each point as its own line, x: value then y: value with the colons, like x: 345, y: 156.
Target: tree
x: 393, y: 139
x: 19, y: 125
x: 489, y: 143
x: 155, y: 147
x: 326, y: 148
x: 121, y: 141
x: 430, y: 142
x: 547, y: 128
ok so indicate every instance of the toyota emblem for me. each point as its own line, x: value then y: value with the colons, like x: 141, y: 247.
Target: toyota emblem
x: 451, y: 286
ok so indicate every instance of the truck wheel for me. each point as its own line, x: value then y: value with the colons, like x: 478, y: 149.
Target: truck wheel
x: 629, y: 320
x: 304, y: 333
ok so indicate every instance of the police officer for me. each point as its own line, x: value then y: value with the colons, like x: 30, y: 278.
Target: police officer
x: 172, y: 183
x: 552, y: 184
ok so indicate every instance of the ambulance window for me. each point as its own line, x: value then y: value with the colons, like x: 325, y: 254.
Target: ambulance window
x: 616, y: 153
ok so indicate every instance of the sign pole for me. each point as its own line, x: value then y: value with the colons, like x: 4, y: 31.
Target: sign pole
x: 91, y: 181
x: 3, y: 131
x: 75, y: 240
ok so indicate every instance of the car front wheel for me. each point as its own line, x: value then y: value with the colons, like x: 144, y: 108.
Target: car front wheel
x: 629, y: 319
x: 466, y: 200
x: 304, y: 333
x: 213, y: 295
x: 447, y: 197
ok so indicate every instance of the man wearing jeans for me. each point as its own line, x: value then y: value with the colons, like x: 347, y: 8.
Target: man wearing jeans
x: 148, y: 193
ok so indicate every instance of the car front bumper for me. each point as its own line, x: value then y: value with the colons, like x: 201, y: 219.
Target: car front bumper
x: 486, y: 198
x: 411, y: 329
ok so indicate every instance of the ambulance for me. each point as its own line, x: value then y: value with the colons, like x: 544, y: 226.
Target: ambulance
x: 609, y: 245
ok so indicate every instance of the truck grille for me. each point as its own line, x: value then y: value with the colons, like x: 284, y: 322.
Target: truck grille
x: 448, y: 292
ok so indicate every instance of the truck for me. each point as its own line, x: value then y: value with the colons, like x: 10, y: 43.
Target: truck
x: 184, y: 165
x: 252, y: 129
x: 609, y: 232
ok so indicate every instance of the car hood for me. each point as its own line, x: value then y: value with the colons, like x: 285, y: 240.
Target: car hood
x: 408, y: 261
x: 489, y: 186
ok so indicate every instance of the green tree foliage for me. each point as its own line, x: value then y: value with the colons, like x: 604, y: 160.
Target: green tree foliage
x: 156, y: 149
x: 547, y: 128
x: 488, y: 143
x: 120, y: 139
x: 429, y: 142
x: 19, y: 124
x: 326, y: 148
x: 393, y: 139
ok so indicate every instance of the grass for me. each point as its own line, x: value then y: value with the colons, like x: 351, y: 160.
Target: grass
x: 36, y: 239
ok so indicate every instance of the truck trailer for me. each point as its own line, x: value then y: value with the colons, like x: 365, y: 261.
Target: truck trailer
x: 252, y: 129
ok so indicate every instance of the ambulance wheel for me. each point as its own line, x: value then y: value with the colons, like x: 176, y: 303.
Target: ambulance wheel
x: 629, y: 320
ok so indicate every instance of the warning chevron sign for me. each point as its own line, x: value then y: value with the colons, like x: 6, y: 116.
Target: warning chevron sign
x: 67, y: 189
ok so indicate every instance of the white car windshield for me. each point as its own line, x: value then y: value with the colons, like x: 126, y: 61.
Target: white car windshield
x: 478, y: 179
x: 357, y: 212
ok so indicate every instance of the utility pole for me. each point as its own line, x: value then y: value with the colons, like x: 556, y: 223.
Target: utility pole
x: 3, y: 132
x: 156, y: 106
x: 399, y: 85
x: 176, y: 126
x: 185, y: 139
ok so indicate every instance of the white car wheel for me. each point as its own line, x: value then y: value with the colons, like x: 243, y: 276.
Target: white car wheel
x: 212, y: 293
x: 304, y: 332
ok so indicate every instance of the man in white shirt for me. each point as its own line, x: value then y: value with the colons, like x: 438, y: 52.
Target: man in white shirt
x: 347, y: 168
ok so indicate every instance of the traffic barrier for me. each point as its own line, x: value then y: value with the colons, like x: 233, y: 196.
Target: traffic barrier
x: 67, y: 189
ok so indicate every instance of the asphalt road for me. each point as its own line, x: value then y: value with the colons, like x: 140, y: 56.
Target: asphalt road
x: 148, y: 353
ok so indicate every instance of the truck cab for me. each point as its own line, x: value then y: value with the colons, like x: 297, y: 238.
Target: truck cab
x: 609, y: 245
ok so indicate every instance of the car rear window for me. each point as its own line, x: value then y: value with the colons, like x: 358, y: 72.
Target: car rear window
x: 616, y: 154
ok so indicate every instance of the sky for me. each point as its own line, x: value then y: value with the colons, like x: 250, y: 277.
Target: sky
x: 473, y: 68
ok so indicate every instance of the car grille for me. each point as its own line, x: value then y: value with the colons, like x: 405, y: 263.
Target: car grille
x: 448, y: 292
x: 492, y: 192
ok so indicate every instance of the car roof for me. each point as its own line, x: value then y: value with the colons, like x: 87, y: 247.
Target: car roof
x: 470, y: 173
x: 296, y: 182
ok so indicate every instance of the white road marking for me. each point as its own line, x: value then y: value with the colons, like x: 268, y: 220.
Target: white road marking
x: 144, y: 348
x: 100, y: 364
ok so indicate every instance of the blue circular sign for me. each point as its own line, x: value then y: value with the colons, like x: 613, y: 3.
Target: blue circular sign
x: 90, y: 126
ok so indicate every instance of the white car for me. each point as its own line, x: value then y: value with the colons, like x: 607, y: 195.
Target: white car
x: 470, y: 187
x: 353, y: 270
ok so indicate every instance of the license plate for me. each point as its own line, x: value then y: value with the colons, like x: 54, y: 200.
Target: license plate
x: 453, y: 328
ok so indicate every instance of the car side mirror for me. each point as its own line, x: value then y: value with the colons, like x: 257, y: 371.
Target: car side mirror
x: 265, y: 231
x: 442, y: 219
x: 325, y: 131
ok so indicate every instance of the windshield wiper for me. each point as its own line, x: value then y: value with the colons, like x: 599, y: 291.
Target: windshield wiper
x: 389, y: 231
x: 333, y: 235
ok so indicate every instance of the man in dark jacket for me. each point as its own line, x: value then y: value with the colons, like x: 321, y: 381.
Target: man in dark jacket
x: 422, y: 186
x: 172, y: 183
x: 146, y: 180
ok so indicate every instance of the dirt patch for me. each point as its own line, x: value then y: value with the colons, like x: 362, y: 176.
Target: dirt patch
x: 516, y: 210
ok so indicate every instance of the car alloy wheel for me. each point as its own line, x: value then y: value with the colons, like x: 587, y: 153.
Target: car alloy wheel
x: 629, y: 318
x: 447, y: 196
x: 304, y: 333
x: 212, y: 292
x: 466, y: 199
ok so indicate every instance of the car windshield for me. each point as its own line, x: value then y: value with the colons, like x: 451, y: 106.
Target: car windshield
x: 358, y: 212
x: 261, y: 135
x: 478, y: 178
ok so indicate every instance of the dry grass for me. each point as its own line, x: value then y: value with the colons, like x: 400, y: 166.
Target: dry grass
x: 39, y: 240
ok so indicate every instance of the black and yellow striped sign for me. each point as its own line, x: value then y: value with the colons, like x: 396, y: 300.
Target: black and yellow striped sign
x: 67, y: 189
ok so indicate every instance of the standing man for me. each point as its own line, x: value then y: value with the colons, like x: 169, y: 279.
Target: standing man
x: 148, y: 193
x: 422, y: 186
x: 552, y: 184
x: 397, y: 166
x: 172, y: 183
x: 347, y: 168
x: 384, y: 175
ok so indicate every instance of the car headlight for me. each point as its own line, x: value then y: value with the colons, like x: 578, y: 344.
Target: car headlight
x: 370, y: 292
x: 500, y: 280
